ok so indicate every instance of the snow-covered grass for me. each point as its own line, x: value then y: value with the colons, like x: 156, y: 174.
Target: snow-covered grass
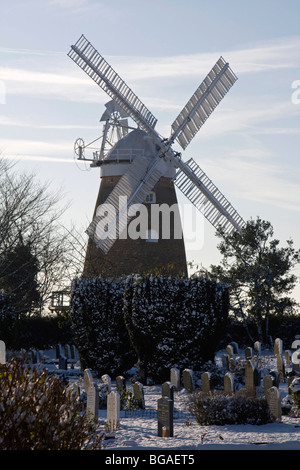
x: 138, y: 429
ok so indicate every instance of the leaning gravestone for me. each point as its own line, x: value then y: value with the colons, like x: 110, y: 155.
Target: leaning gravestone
x: 273, y: 397
x: 2, y: 352
x: 188, y: 381
x: 165, y: 417
x: 92, y: 402
x: 138, y: 393
x: 113, y: 410
x: 175, y: 377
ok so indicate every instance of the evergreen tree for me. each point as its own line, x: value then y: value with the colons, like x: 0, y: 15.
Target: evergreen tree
x: 258, y: 272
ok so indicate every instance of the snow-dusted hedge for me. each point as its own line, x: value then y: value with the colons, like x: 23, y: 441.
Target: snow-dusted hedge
x: 170, y: 322
x: 220, y: 409
x: 174, y: 322
x: 98, y: 326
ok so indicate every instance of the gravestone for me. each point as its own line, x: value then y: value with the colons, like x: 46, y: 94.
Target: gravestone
x: 251, y: 373
x: 92, y: 402
x: 235, y: 347
x: 165, y: 417
x: 278, y: 346
x: 87, y: 379
x: 275, y: 375
x: 268, y: 383
x: 63, y: 363
x: 121, y: 384
x: 225, y: 361
x: 273, y: 397
x: 167, y: 390
x: 113, y: 410
x: 2, y: 352
x: 67, y: 351
x: 280, y: 366
x: 205, y: 382
x: 188, y: 381
x: 257, y: 347
x: 229, y: 350
x: 175, y: 377
x: 288, y: 356
x: 248, y: 352
x: 59, y: 351
x: 107, y: 380
x: 229, y: 384
x: 138, y: 393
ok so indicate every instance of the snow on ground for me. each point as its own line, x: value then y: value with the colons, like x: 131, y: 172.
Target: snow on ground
x: 138, y: 429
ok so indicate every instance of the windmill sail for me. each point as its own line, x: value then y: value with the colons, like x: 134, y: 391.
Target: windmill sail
x: 133, y: 188
x: 89, y: 59
x: 205, y: 99
x: 206, y: 197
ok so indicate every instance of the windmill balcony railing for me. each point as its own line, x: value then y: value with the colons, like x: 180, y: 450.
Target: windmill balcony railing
x: 120, y: 155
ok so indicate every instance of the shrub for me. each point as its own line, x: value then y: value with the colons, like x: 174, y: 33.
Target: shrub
x: 98, y: 326
x: 219, y: 409
x: 36, y: 413
x: 173, y: 322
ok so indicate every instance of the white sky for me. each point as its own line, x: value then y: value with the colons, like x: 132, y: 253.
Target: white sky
x: 163, y: 49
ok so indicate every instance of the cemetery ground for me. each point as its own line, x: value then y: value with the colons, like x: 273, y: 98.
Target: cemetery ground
x: 138, y: 429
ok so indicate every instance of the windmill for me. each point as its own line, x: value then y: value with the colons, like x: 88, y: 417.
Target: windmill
x: 150, y: 159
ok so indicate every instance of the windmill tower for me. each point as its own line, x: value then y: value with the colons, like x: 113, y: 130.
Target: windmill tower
x: 142, y: 168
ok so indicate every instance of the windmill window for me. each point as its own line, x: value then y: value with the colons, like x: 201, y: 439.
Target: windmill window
x: 151, y: 198
x: 151, y: 236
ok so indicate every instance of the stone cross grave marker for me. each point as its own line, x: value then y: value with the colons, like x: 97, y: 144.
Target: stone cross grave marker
x: 113, y: 410
x: 205, y: 382
x: 167, y: 390
x: 92, y: 402
x: 229, y: 384
x: 2, y: 352
x: 273, y: 397
x: 175, y: 377
x: 138, y: 393
x: 165, y: 417
x: 188, y: 381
